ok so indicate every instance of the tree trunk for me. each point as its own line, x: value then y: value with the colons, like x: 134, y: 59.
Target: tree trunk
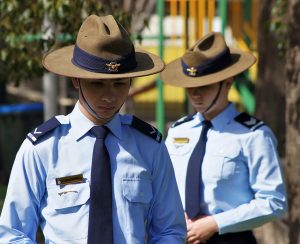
x: 270, y: 87
x: 293, y: 119
x: 270, y: 100
x: 50, y: 83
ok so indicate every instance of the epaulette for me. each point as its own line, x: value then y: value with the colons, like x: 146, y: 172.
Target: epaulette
x: 249, y: 121
x: 43, y: 129
x: 146, y: 129
x: 183, y: 120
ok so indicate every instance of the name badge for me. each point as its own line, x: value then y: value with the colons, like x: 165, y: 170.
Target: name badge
x: 181, y: 140
x: 68, y: 180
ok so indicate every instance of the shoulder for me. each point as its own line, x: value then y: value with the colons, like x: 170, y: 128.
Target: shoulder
x: 42, y: 131
x: 142, y: 126
x: 183, y: 120
x: 249, y: 121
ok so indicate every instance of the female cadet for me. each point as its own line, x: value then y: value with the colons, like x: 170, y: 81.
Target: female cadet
x: 226, y: 165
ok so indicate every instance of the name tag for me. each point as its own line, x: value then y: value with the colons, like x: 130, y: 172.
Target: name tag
x: 181, y: 140
x: 67, y: 180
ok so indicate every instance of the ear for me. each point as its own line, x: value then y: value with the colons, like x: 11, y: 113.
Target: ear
x: 75, y: 82
x: 228, y: 83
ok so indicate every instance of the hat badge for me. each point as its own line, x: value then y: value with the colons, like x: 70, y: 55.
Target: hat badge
x: 192, y: 71
x: 113, y: 66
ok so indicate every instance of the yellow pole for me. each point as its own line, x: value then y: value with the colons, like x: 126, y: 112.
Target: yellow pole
x: 211, y: 13
x: 235, y: 18
x: 173, y: 12
x: 241, y: 18
x: 254, y: 21
x: 201, y: 17
x: 193, y: 16
x: 182, y: 11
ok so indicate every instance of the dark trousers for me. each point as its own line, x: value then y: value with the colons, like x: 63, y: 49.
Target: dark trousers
x: 245, y: 237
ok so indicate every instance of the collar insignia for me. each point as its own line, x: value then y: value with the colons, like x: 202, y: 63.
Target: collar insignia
x: 113, y: 66
x: 250, y: 122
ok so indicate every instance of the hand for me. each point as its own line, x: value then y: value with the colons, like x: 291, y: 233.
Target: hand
x: 200, y: 229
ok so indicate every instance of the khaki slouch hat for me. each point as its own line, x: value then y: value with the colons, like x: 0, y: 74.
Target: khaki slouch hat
x: 209, y: 61
x: 103, y: 50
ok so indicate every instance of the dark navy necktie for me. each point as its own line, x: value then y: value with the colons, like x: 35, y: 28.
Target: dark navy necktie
x: 100, y: 216
x: 194, y: 184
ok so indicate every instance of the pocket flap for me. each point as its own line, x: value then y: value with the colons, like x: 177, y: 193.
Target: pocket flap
x: 137, y: 190
x: 69, y: 195
x: 227, y: 152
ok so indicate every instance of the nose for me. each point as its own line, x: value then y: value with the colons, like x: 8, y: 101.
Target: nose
x: 195, y: 91
x: 109, y: 94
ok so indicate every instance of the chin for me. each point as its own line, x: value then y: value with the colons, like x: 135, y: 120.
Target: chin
x: 200, y: 108
x: 106, y: 115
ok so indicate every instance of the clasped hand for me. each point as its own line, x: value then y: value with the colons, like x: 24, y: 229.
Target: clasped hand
x: 200, y: 229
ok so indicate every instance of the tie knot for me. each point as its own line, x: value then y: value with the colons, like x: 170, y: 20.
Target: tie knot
x: 99, y: 132
x: 206, y: 123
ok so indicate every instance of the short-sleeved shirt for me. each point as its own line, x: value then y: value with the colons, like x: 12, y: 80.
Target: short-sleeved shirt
x: 241, y: 171
x: 146, y: 200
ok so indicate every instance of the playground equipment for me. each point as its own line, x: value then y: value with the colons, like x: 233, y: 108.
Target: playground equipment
x: 178, y: 24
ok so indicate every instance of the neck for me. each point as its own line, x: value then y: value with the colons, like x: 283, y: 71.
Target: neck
x: 216, y: 111
x: 96, y: 121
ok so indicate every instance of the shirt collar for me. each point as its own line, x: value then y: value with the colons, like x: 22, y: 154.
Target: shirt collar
x: 82, y: 125
x: 222, y: 119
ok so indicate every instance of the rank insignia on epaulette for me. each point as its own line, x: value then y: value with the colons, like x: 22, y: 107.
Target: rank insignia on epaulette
x: 181, y: 140
x: 43, y: 129
x: 249, y: 121
x: 146, y: 129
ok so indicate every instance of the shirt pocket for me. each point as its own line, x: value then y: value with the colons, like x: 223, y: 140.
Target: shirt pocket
x: 137, y: 190
x: 137, y: 194
x: 225, y: 161
x: 68, y: 196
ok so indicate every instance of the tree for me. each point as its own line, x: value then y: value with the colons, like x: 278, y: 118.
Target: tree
x: 270, y: 87
x: 29, y: 29
x: 293, y: 118
x: 25, y: 37
x: 286, y: 34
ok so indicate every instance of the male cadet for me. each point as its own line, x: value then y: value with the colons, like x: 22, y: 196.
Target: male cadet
x: 226, y: 165
x: 95, y: 176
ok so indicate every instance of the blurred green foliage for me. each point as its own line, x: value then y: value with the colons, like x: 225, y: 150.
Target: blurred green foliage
x: 28, y: 29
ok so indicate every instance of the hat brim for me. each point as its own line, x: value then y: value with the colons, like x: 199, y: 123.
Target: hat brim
x: 173, y: 74
x: 59, y: 62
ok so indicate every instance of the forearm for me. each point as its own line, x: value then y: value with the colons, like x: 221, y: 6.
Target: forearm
x: 248, y: 216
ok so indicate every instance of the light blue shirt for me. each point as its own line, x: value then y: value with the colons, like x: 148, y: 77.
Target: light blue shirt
x: 146, y: 201
x: 241, y: 172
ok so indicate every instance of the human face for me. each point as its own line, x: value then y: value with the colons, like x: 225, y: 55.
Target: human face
x: 202, y: 97
x: 105, y: 97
